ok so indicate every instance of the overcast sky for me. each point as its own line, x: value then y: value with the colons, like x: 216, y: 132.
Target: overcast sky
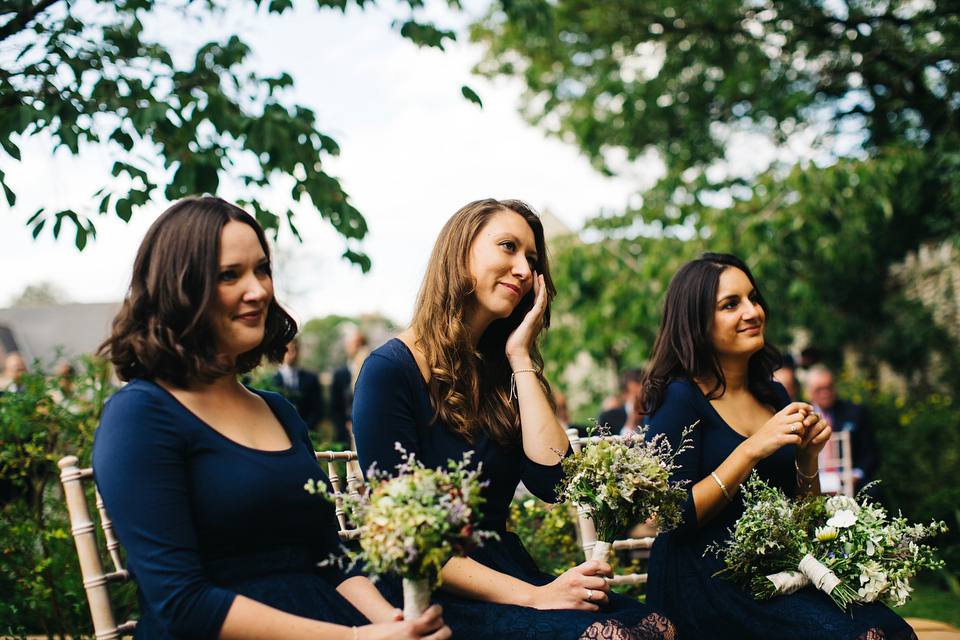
x: 413, y: 152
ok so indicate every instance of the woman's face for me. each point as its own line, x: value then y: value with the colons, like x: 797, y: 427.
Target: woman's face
x: 738, y: 318
x: 501, y: 262
x: 244, y: 291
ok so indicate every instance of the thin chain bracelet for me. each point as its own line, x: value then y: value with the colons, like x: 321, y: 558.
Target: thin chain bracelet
x: 513, y: 381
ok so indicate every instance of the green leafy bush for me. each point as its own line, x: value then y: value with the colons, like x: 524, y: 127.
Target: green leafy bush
x: 919, y: 439
x: 547, y: 532
x: 41, y: 590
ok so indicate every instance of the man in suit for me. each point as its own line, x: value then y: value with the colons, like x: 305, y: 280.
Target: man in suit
x: 300, y: 387
x: 623, y: 419
x: 341, y: 387
x: 842, y: 415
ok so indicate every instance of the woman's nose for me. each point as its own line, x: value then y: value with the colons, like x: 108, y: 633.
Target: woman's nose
x: 521, y: 268
x: 256, y: 289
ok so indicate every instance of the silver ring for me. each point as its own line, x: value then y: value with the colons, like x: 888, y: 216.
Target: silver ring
x: 819, y: 416
x: 589, y: 594
x: 793, y: 428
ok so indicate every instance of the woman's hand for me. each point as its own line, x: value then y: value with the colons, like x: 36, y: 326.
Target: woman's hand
x: 521, y: 340
x: 429, y: 625
x: 582, y: 587
x: 787, y: 426
x: 816, y: 434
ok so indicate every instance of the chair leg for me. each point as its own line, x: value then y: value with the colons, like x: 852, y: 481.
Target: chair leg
x: 95, y: 580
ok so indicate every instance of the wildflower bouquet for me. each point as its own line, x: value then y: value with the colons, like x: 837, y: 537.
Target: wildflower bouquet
x: 412, y: 523
x: 624, y: 480
x: 851, y: 550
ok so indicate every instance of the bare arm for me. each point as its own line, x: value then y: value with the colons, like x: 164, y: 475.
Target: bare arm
x: 542, y: 434
x: 251, y: 620
x: 470, y: 579
x: 367, y: 599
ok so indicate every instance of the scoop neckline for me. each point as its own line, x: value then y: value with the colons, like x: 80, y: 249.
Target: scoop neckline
x: 201, y: 421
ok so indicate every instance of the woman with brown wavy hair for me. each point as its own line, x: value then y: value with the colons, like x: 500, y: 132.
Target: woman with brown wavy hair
x: 203, y: 476
x: 466, y: 377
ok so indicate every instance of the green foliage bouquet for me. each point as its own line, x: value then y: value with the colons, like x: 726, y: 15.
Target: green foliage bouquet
x: 624, y: 480
x: 412, y: 523
x: 852, y: 550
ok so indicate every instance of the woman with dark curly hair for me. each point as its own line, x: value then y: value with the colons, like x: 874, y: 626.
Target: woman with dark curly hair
x: 711, y: 366
x: 204, y: 477
x: 466, y: 376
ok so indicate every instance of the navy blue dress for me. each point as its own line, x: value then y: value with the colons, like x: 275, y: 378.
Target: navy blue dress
x: 681, y: 577
x: 203, y: 518
x: 391, y: 404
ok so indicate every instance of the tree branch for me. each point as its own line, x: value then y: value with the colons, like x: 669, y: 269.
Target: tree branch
x: 23, y: 18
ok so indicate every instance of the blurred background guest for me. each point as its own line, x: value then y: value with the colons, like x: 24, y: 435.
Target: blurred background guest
x: 299, y: 386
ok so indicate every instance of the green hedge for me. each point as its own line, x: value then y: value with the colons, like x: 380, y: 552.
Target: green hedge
x: 919, y: 440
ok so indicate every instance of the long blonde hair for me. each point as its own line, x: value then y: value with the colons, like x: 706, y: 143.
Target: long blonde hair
x: 469, y: 388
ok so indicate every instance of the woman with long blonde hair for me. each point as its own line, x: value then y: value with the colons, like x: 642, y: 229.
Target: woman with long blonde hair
x: 466, y: 376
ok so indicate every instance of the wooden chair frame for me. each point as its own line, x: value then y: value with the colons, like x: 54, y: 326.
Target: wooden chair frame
x: 352, y: 483
x: 96, y: 580
x: 587, y: 533
x: 841, y: 463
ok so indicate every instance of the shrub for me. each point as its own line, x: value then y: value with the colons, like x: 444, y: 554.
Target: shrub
x: 919, y: 439
x: 41, y: 590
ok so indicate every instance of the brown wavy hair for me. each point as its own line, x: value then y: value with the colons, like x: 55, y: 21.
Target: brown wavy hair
x: 683, y: 348
x: 162, y: 330
x: 469, y: 388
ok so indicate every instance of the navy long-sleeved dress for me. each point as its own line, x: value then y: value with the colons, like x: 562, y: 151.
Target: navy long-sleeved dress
x: 203, y: 518
x: 391, y: 404
x: 681, y: 577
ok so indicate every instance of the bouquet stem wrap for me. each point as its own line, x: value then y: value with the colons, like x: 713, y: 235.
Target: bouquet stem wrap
x: 812, y: 571
x: 416, y: 598
x: 601, y: 551
x: 821, y: 577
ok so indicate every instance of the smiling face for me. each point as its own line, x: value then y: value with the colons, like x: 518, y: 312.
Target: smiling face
x: 244, y: 291
x: 501, y: 263
x: 738, y: 317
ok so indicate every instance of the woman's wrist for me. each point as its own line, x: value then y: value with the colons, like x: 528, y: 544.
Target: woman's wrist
x: 807, y: 469
x: 520, y: 363
x: 748, y: 455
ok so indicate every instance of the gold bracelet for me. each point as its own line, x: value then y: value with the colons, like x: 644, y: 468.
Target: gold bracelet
x: 803, y: 475
x: 513, y: 381
x: 723, y: 488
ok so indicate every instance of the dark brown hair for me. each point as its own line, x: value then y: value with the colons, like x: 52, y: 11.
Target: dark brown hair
x: 470, y: 388
x: 683, y: 348
x: 162, y: 331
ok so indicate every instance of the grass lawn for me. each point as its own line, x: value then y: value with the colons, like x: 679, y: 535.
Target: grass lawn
x: 932, y: 602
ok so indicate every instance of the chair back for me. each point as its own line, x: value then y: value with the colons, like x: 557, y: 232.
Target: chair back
x: 96, y: 580
x: 350, y: 480
x: 836, y: 465
x: 587, y: 533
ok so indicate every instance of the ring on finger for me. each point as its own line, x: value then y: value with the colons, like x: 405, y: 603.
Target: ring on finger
x: 589, y: 594
x: 793, y: 428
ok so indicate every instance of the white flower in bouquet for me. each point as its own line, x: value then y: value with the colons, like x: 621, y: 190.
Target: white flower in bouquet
x: 842, y: 519
x: 841, y: 503
x: 825, y: 534
x: 873, y: 581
